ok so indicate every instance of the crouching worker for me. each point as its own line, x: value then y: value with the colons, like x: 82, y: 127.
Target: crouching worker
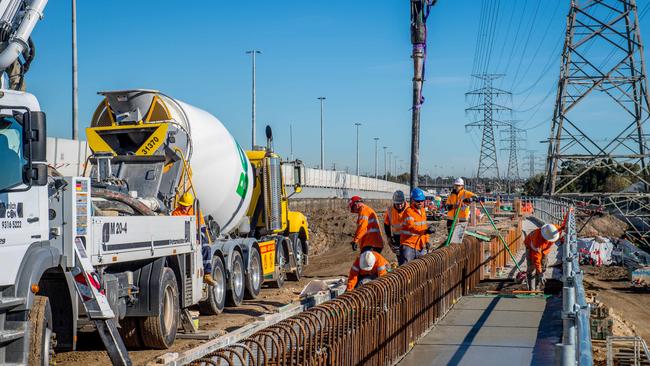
x: 186, y: 208
x: 368, y: 266
x: 538, y: 244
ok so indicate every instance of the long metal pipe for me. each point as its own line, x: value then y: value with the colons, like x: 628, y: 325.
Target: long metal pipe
x: 357, y: 124
x: 322, y: 135
x: 75, y: 76
x: 254, y: 97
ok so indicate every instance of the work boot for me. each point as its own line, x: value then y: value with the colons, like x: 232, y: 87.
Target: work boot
x: 208, y: 280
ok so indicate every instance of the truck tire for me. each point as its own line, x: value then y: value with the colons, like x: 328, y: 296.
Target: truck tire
x: 40, y: 333
x: 216, y: 294
x: 130, y: 332
x: 300, y: 261
x: 281, y: 260
x: 255, y: 275
x: 236, y: 284
x: 159, y: 332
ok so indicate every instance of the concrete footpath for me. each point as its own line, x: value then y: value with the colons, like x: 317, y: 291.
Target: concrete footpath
x: 492, y: 331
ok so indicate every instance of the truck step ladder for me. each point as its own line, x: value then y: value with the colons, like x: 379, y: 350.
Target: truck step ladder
x: 96, y: 304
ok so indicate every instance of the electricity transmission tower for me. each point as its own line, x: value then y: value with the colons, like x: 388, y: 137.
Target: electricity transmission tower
x: 487, y: 162
x: 531, y: 163
x: 602, y: 73
x: 513, y: 138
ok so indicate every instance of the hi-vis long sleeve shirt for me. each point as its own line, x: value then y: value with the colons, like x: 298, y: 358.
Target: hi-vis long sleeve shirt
x: 367, y: 233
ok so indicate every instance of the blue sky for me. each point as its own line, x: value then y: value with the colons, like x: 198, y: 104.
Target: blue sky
x: 357, y: 54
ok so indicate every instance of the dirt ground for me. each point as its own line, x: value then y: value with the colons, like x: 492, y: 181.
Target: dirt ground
x: 331, y: 231
x: 606, y: 225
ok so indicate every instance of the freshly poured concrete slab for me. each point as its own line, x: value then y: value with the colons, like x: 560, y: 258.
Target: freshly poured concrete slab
x: 492, y: 331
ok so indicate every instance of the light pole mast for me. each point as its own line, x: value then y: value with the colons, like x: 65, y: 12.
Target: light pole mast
x: 253, y: 53
x: 290, y: 142
x: 376, y: 139
x: 357, y: 124
x: 75, y: 80
x: 385, y: 159
x: 322, y: 138
x: 390, y: 163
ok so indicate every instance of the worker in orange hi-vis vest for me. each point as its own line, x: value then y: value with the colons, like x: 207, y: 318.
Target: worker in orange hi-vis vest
x: 368, y: 266
x: 393, y: 220
x: 186, y: 208
x: 538, y: 244
x: 367, y: 235
x: 414, y: 237
x: 459, y: 199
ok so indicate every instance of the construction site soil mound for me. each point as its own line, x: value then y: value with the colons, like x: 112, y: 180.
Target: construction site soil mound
x: 608, y: 273
x: 605, y: 225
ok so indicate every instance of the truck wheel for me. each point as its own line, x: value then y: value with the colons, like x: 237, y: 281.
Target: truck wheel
x: 40, y: 335
x: 297, y: 273
x: 130, y: 332
x: 255, y: 274
x: 216, y: 294
x: 159, y: 332
x: 236, y: 285
x: 280, y: 259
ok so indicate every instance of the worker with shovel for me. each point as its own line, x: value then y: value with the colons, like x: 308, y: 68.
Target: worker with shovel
x: 393, y: 220
x: 414, y: 236
x: 457, y: 204
x: 368, y: 266
x: 367, y: 236
x: 186, y: 208
x: 538, y: 244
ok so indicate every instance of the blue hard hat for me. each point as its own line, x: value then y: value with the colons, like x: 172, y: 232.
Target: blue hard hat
x: 417, y: 195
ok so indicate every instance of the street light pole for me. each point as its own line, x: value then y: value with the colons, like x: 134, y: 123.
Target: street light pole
x: 253, y: 53
x: 75, y: 80
x: 376, y: 139
x: 390, y: 163
x: 385, y: 171
x: 322, y: 138
x: 357, y: 124
x: 290, y: 142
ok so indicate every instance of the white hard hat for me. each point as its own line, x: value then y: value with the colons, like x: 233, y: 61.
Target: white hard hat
x: 367, y: 260
x: 459, y: 182
x: 550, y: 233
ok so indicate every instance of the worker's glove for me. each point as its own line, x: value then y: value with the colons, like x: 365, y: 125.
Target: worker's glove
x: 394, y: 243
x: 429, y: 248
x: 469, y: 200
x: 355, y: 247
x: 449, y: 207
x: 431, y: 230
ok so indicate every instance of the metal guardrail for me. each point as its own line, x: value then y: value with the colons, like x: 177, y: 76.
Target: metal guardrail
x: 639, y: 347
x: 575, y: 348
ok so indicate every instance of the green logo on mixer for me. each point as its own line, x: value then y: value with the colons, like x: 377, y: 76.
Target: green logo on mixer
x: 242, y: 187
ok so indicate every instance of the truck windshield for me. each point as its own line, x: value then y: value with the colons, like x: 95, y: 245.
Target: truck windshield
x: 11, y: 153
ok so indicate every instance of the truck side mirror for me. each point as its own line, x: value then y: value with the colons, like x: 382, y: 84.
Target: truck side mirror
x: 35, y: 148
x: 297, y: 176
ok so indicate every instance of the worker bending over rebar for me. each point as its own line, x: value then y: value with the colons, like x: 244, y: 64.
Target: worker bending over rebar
x: 368, y: 266
x: 538, y: 244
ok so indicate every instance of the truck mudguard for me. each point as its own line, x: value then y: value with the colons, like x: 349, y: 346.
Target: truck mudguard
x: 39, y: 258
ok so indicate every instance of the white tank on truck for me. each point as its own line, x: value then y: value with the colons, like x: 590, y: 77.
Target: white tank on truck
x: 219, y: 171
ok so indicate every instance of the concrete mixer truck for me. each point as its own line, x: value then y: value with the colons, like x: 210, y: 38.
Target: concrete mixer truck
x: 148, y: 149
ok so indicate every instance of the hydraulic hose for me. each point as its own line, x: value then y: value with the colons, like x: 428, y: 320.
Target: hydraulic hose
x: 126, y: 199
